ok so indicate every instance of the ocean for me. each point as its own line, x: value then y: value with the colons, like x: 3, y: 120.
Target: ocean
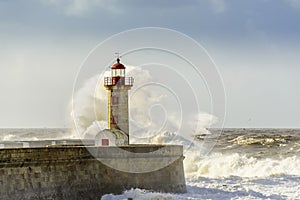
x: 243, y: 164
x: 240, y: 163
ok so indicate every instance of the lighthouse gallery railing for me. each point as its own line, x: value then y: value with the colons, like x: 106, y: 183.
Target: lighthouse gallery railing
x: 110, y: 81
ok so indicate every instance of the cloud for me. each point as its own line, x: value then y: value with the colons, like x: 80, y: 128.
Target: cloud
x: 293, y: 3
x: 81, y: 8
x: 218, y: 6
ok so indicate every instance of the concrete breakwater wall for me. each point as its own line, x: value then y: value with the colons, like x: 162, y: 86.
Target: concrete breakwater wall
x: 77, y: 172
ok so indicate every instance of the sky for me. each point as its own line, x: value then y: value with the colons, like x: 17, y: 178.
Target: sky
x: 255, y: 45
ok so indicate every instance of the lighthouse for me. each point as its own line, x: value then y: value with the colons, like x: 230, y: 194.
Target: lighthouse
x: 117, y: 85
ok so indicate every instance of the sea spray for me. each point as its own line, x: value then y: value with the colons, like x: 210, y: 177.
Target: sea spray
x: 197, y: 164
x: 143, y: 195
x: 84, y: 101
x: 35, y: 134
x: 94, y: 128
x: 90, y: 102
x: 148, y: 109
x: 231, y: 175
x: 204, y: 168
x: 219, y: 165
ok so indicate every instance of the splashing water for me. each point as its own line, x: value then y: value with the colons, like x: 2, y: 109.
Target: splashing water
x: 149, y: 107
x: 239, y: 166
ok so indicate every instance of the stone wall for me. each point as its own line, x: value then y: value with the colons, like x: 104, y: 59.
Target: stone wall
x: 45, y: 143
x: 77, y: 173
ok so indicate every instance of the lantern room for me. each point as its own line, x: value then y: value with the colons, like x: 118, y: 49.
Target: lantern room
x: 118, y: 73
x: 118, y: 76
x: 118, y: 69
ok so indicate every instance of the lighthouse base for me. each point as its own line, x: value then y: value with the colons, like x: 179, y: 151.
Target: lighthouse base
x: 71, y: 172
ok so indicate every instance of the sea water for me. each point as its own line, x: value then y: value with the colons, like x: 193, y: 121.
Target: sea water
x: 243, y: 164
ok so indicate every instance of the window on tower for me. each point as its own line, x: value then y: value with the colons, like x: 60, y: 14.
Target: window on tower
x: 118, y: 72
x: 115, y: 100
x: 114, y: 119
x: 105, y: 142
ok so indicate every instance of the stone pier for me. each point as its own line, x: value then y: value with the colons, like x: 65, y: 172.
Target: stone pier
x: 78, y: 172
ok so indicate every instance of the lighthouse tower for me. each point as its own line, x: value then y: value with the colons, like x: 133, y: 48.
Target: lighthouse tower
x: 118, y: 85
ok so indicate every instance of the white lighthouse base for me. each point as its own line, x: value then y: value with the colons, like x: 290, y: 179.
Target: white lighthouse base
x: 114, y: 137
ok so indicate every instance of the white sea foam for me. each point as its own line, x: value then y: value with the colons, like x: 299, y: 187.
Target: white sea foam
x: 209, y: 175
x: 151, y: 110
x: 281, y: 187
x: 258, y: 139
x: 228, y: 176
x: 9, y: 137
x: 221, y: 165
x: 90, y: 103
x: 34, y: 134
x: 142, y: 195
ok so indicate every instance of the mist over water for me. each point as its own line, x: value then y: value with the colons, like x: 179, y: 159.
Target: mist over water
x: 245, y: 164
x: 238, y: 164
x: 34, y: 134
x: 154, y: 109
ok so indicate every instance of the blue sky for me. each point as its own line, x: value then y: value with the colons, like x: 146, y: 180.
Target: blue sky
x: 255, y: 44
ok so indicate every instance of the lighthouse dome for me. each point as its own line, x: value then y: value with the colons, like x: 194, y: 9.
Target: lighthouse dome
x: 118, y: 65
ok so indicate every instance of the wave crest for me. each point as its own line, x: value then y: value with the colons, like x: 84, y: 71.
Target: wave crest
x: 221, y: 165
